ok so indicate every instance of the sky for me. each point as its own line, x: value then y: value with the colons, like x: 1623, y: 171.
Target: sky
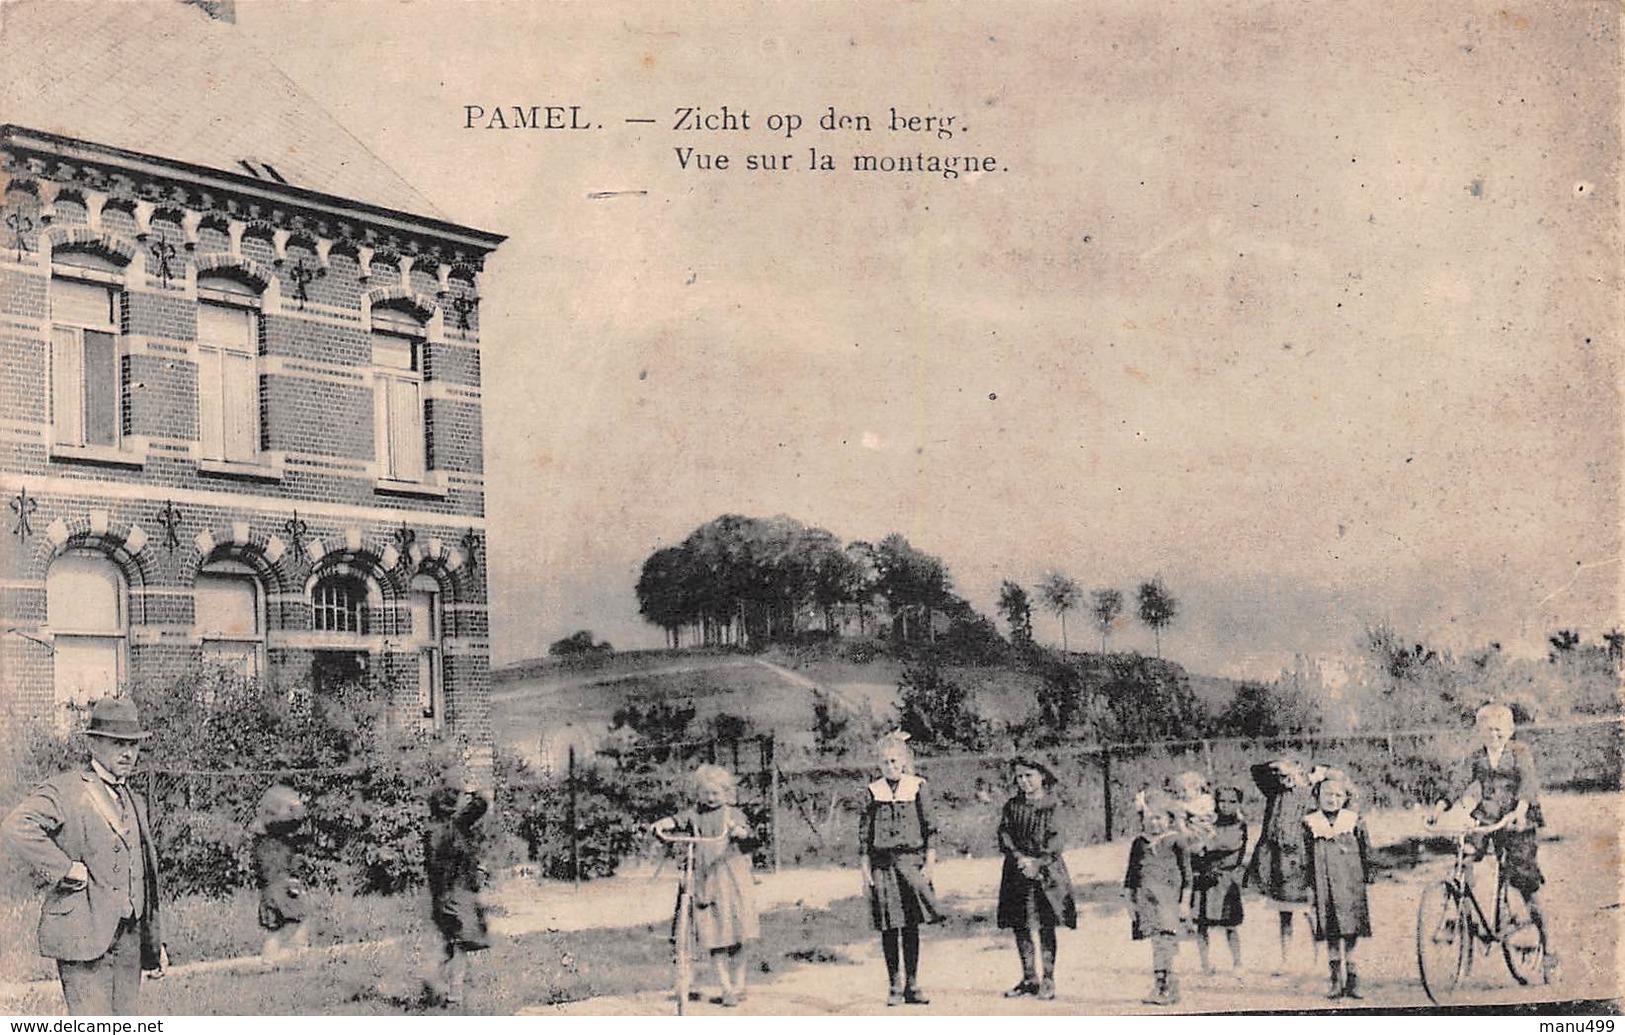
x: 1310, y: 310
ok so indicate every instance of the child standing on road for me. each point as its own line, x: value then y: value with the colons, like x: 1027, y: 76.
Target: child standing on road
x: 1276, y: 867
x: 1338, y: 852
x: 897, y: 857
x: 1158, y: 874
x: 1216, y: 871
x: 1035, y: 889
x: 277, y: 865
x: 451, y: 857
x: 725, y: 916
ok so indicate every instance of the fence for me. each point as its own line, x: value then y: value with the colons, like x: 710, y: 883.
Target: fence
x: 587, y: 823
x: 605, y: 801
x: 819, y: 806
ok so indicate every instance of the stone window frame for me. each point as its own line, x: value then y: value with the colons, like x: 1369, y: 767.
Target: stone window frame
x: 398, y: 314
x: 91, y: 263
x: 118, y: 631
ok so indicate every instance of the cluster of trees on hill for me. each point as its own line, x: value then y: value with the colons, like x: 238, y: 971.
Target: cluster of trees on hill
x: 1060, y: 594
x: 748, y: 581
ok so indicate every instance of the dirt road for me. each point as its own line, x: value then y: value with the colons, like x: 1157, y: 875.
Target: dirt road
x: 1102, y: 971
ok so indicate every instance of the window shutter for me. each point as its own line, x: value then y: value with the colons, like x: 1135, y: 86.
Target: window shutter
x: 209, y: 394
x: 227, y: 607
x: 227, y: 327
x: 241, y: 405
x: 76, y: 302
x: 406, y: 431
x: 86, y: 668
x: 101, y: 389
x: 67, y: 387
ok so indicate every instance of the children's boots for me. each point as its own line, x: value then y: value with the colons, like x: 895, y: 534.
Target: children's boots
x: 1336, y: 989
x: 1046, y: 987
x: 1351, y: 983
x: 894, y: 997
x: 1165, y: 992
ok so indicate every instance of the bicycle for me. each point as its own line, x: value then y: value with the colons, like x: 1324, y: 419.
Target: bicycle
x: 1451, y: 923
x: 683, y: 935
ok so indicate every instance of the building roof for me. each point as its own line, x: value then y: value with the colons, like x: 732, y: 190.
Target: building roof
x: 166, y: 80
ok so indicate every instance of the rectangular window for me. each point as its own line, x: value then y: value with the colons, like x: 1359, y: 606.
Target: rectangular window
x: 84, y: 364
x: 338, y: 606
x: 398, y: 376
x: 228, y: 383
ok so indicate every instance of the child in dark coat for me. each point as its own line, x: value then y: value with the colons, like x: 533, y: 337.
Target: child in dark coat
x: 1216, y: 872
x: 1276, y: 867
x: 1158, y: 875
x: 1338, y: 851
x: 452, y: 858
x: 277, y: 865
x: 1035, y: 889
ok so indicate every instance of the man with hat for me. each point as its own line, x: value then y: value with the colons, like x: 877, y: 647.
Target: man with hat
x: 87, y: 838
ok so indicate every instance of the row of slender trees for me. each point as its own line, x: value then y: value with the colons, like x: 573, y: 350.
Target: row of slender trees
x: 1060, y: 594
x: 747, y: 581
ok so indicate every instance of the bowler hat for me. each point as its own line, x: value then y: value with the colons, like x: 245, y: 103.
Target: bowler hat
x: 116, y: 717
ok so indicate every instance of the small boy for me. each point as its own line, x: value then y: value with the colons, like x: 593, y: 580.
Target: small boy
x: 1158, y: 875
x: 1498, y: 782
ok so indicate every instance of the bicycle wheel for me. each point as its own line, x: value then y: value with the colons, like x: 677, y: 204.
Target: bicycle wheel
x: 682, y: 946
x: 1443, y: 940
x: 1520, y: 939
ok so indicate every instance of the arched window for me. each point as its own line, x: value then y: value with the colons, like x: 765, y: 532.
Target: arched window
x: 230, y: 617
x: 424, y: 605
x: 398, y: 368
x: 86, y: 613
x: 228, y: 371
x: 339, y: 605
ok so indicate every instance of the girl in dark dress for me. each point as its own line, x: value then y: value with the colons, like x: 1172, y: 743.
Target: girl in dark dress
x: 277, y: 864
x: 897, y: 857
x: 1338, y: 851
x: 452, y: 858
x: 1158, y: 875
x: 1276, y: 868
x: 1216, y: 872
x: 1035, y: 889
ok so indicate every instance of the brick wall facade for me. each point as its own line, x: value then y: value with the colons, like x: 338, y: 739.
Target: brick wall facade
x: 313, y: 498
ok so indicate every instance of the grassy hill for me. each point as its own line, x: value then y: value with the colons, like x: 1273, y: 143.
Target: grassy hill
x: 539, y: 699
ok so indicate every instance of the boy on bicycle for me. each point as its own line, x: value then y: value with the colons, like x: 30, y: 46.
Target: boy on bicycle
x: 1499, y: 782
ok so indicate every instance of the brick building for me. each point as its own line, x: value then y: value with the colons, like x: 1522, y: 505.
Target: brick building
x: 240, y: 417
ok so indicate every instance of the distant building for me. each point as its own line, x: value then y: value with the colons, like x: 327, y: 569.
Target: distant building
x: 240, y: 374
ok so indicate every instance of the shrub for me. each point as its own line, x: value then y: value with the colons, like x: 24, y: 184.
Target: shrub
x: 581, y: 642
x: 938, y: 710
x: 609, y: 816
x: 219, y: 741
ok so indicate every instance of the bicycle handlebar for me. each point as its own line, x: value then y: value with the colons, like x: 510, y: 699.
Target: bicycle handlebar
x: 687, y: 839
x: 1479, y: 829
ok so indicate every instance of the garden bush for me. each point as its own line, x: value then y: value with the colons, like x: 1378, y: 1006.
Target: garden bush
x: 219, y: 741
